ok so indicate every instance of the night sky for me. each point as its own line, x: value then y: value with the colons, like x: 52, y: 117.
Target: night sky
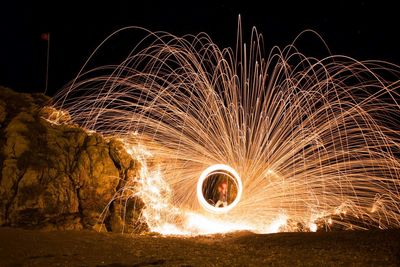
x: 359, y: 29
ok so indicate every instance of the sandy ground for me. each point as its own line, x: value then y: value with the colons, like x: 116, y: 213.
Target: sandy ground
x: 72, y: 248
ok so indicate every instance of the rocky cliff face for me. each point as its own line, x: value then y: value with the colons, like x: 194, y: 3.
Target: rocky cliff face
x: 59, y: 176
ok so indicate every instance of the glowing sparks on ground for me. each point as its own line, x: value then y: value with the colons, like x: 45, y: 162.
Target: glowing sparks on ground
x: 312, y: 140
x: 162, y: 217
x: 277, y: 224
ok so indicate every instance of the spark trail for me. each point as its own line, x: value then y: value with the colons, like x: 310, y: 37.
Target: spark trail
x: 312, y: 139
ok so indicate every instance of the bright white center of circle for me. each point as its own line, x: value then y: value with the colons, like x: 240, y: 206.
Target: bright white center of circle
x: 205, y: 174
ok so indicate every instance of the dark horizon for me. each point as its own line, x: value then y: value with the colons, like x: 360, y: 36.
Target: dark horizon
x: 359, y: 29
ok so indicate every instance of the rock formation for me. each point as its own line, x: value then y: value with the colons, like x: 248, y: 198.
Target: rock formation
x: 59, y: 176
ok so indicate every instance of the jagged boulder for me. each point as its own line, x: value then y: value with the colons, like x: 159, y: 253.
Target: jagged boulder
x: 58, y: 176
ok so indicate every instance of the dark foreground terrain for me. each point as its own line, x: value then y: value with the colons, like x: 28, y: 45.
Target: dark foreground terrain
x: 85, y: 248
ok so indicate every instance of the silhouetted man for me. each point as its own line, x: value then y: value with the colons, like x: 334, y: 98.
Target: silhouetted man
x: 222, y: 195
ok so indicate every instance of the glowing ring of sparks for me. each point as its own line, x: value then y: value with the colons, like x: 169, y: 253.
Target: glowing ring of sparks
x: 207, y: 172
